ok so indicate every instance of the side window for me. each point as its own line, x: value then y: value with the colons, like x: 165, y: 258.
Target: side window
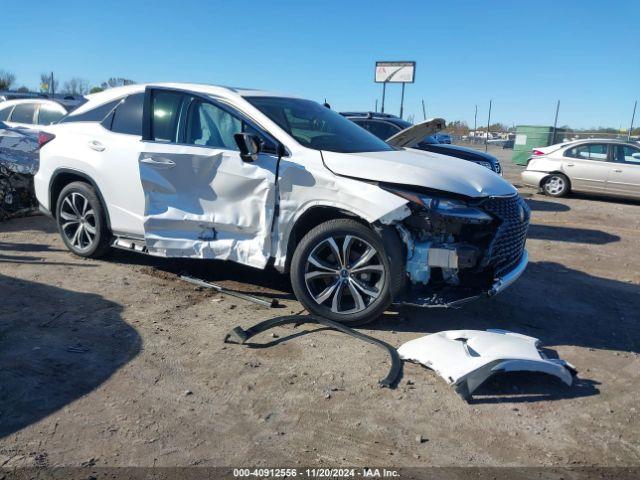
x: 23, y: 113
x: 382, y: 130
x: 362, y: 123
x: 48, y: 115
x: 590, y: 151
x: 4, y: 113
x: 165, y: 107
x: 267, y: 145
x: 94, y: 115
x: 211, y: 126
x: 127, y: 117
x: 625, y: 154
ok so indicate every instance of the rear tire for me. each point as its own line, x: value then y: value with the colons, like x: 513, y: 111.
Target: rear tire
x: 82, y: 221
x: 556, y: 185
x: 344, y: 271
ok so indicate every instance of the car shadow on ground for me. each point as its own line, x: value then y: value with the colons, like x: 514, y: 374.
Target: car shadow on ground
x: 547, y: 206
x: 33, y: 248
x: 570, y: 234
x: 52, y: 355
x: 604, y: 198
x: 558, y: 305
x: 268, y: 282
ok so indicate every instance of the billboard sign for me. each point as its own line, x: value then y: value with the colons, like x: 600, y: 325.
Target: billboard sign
x: 395, y: 72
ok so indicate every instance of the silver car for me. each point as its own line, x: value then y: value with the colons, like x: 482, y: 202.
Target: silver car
x: 610, y: 167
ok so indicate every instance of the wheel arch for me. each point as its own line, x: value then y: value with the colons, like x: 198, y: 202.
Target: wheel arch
x: 554, y: 172
x: 311, y: 218
x: 63, y: 177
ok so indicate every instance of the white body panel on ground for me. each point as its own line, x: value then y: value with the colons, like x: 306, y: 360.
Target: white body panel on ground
x: 466, y: 358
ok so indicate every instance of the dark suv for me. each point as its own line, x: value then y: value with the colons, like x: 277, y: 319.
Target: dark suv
x: 384, y: 126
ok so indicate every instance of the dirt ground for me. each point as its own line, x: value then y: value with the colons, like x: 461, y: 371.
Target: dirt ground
x: 118, y: 363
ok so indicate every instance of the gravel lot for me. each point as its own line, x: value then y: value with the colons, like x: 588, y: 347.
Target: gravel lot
x: 117, y: 362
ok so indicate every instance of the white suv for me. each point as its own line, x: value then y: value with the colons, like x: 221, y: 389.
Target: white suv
x: 181, y: 170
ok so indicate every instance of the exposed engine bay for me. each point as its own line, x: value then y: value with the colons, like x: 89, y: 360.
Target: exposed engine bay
x: 457, y: 249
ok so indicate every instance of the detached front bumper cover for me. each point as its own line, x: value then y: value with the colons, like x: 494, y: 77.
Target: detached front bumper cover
x: 467, y: 358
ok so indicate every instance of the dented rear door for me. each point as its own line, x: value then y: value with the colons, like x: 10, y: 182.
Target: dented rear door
x: 201, y: 199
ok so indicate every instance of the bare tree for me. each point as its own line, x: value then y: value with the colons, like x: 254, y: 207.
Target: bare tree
x: 45, y: 79
x: 6, y: 79
x: 116, y: 82
x: 76, y: 86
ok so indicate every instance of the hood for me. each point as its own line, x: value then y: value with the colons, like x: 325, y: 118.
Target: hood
x: 416, y: 133
x: 459, y: 152
x: 421, y: 169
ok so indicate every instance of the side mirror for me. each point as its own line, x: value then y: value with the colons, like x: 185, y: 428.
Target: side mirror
x: 249, y: 146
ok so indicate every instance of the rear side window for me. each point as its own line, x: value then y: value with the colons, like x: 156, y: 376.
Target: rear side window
x: 590, y: 151
x: 94, y: 115
x: 24, y: 113
x: 127, y: 117
x: 48, y: 115
x: 625, y: 154
x: 165, y: 115
x: 4, y: 113
x: 382, y: 130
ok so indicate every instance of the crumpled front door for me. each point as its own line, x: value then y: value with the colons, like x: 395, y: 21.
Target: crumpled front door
x: 203, y: 202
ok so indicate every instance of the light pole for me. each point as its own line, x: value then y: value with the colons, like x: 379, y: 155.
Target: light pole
x: 633, y: 117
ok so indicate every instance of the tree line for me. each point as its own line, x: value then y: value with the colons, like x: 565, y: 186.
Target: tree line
x: 49, y: 84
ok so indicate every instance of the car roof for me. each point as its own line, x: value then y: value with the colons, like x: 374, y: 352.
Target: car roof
x: 111, y: 94
x: 572, y: 143
x: 21, y: 101
x: 378, y: 116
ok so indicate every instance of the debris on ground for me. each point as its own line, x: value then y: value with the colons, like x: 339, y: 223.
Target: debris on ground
x: 466, y: 358
x: 239, y: 335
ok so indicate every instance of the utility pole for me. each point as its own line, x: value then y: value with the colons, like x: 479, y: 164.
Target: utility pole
x: 402, y: 100
x: 376, y: 110
x: 424, y: 110
x: 52, y: 87
x: 633, y: 117
x: 486, y: 138
x: 384, y: 90
x: 475, y: 124
x: 555, y: 124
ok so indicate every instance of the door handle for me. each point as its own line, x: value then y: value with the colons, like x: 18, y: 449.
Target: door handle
x: 617, y: 170
x: 97, y: 146
x: 570, y: 164
x: 158, y: 162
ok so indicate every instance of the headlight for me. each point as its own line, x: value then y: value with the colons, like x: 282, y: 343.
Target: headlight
x: 447, y: 207
x: 485, y: 164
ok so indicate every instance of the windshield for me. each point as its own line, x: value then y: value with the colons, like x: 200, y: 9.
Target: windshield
x: 318, y: 127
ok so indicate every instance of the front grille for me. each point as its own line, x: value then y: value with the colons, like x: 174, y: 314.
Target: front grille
x: 507, y: 247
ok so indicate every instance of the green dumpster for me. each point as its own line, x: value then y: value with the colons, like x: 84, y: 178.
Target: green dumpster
x: 529, y: 137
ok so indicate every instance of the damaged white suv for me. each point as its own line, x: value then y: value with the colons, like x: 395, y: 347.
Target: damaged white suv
x: 181, y: 170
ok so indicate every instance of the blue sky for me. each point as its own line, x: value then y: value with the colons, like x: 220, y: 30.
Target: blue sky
x: 523, y: 55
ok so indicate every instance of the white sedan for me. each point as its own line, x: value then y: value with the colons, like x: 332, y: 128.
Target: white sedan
x: 610, y: 167
x: 32, y: 111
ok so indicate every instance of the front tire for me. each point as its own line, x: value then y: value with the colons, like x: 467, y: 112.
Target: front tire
x: 344, y: 271
x: 82, y: 221
x: 556, y: 185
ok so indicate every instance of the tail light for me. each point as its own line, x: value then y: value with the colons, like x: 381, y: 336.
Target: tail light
x: 538, y: 152
x: 44, y: 138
